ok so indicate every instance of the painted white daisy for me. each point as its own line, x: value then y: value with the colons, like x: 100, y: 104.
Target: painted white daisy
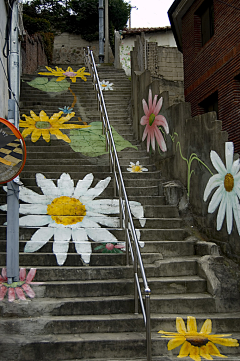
x: 228, y: 193
x: 70, y: 213
x: 105, y: 85
x: 136, y: 168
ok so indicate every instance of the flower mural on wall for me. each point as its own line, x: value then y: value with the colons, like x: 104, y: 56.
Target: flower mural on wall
x: 136, y: 168
x: 16, y: 288
x: 66, y: 110
x: 152, y: 120
x: 69, y: 73
x: 110, y: 248
x: 44, y: 126
x: 70, y: 213
x: 105, y: 85
x: 227, y: 195
x: 197, y: 344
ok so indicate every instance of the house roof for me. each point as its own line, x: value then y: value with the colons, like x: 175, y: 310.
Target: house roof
x: 176, y: 12
x: 136, y: 31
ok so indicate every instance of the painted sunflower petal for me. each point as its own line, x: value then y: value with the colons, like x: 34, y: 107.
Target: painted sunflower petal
x: 204, y: 353
x: 27, y: 131
x: 177, y: 341
x: 206, y: 327
x: 191, y: 324
x: 180, y: 326
x: 60, y: 135
x: 194, y: 353
x: 211, y: 349
x: 230, y: 342
x: 36, y: 134
x: 185, y: 350
x: 46, y: 135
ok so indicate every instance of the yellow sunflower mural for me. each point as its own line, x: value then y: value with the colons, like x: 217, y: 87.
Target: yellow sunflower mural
x: 197, y: 344
x: 69, y: 73
x: 45, y: 126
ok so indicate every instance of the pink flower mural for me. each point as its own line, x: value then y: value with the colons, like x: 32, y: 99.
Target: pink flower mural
x: 152, y: 119
x: 17, y: 288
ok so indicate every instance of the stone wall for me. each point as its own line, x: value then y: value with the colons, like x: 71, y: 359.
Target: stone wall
x: 33, y: 54
x: 69, y: 49
x: 187, y: 159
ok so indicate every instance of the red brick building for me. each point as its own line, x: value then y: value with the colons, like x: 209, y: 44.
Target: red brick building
x: 207, y: 32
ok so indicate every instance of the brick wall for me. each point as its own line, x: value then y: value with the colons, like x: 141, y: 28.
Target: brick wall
x: 214, y: 66
x: 33, y: 54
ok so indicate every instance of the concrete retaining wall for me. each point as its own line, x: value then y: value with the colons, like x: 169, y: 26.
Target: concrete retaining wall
x: 33, y: 54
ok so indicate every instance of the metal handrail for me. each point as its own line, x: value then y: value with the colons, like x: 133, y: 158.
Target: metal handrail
x: 126, y: 221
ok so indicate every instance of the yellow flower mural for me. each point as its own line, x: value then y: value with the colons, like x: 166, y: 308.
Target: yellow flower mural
x: 69, y: 73
x: 197, y: 344
x: 45, y: 126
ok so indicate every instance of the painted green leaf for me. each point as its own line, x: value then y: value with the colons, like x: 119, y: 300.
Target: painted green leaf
x: 51, y: 86
x: 91, y: 142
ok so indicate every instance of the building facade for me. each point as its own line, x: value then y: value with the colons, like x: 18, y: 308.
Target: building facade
x: 208, y: 32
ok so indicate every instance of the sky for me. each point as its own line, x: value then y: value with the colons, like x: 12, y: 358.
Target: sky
x: 150, y: 13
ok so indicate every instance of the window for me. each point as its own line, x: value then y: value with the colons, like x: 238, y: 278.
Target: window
x: 206, y: 16
x: 210, y: 104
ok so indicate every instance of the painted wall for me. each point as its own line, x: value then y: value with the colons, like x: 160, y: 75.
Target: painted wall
x: 3, y: 65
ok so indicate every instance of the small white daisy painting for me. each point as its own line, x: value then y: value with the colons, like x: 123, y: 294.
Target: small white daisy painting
x: 71, y: 213
x: 136, y: 168
x: 105, y: 85
x: 227, y: 195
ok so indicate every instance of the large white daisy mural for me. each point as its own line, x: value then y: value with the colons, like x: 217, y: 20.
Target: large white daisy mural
x: 227, y: 195
x: 66, y: 213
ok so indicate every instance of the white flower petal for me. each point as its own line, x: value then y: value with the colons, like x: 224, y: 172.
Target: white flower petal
x: 106, y: 206
x: 104, y: 220
x: 229, y: 212
x: 236, y: 212
x: 47, y: 186
x: 138, y: 212
x: 229, y: 150
x: 33, y: 208
x: 3, y: 207
x: 82, y: 245
x: 217, y: 163
x: 61, y: 244
x: 96, y: 191
x: 101, y: 235
x: 221, y: 211
x: 235, y: 167
x: 39, y: 239
x: 213, y: 182
x: 34, y: 220
x: 65, y: 185
x: 216, y: 199
x: 29, y: 196
x: 87, y: 222
x: 83, y: 185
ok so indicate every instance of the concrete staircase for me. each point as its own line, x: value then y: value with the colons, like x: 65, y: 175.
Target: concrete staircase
x: 85, y: 312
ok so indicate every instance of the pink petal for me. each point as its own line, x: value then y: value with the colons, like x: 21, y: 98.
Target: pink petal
x: 3, y: 291
x: 150, y: 101
x: 158, y: 107
x: 161, y: 120
x: 144, y: 120
x: 160, y: 140
x: 145, y: 133
x: 153, y: 140
x: 119, y: 246
x: 148, y: 141
x: 28, y: 290
x: 20, y: 293
x: 31, y: 275
x: 4, y: 274
x: 154, y: 102
x: 22, y: 274
x: 145, y: 107
x: 11, y: 294
x: 1, y: 279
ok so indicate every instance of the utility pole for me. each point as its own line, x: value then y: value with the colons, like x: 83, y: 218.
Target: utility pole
x: 101, y: 32
x: 106, y: 33
x: 13, y: 187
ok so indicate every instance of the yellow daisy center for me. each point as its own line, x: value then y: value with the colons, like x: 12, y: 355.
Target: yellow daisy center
x: 151, y: 119
x: 197, y: 340
x: 104, y: 85
x: 228, y: 182
x: 136, y: 168
x: 42, y: 125
x: 66, y: 210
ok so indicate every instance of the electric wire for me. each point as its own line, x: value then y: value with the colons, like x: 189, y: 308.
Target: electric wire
x: 232, y: 6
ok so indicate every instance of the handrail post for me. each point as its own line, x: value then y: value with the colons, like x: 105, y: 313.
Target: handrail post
x: 148, y: 324
x: 135, y: 283
x: 126, y: 236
